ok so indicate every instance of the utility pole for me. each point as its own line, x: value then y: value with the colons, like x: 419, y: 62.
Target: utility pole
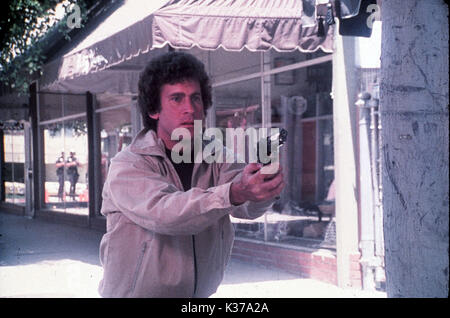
x: 414, y: 113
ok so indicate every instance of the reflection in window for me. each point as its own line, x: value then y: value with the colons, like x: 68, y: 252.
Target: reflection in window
x: 299, y: 101
x: 225, y: 65
x: 115, y: 130
x: 113, y: 142
x: 50, y: 106
x: 238, y: 104
x: 13, y: 172
x: 307, y: 214
x: 66, y: 166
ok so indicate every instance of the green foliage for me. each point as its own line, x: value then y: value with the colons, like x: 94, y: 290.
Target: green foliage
x: 24, y: 34
x: 75, y: 128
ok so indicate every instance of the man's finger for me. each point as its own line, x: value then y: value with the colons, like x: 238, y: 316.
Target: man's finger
x: 273, y: 175
x: 277, y: 191
x: 252, y: 168
x: 274, y: 182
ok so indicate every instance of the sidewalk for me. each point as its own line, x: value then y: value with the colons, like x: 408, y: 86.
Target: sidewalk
x: 41, y: 259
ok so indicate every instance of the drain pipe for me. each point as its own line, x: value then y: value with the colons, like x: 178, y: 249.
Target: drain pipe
x: 367, y: 242
x: 376, y: 190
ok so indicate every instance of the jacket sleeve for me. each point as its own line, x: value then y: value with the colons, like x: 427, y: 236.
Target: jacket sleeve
x: 153, y: 202
x: 248, y: 210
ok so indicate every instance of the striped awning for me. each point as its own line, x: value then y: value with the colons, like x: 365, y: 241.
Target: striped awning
x: 110, y: 56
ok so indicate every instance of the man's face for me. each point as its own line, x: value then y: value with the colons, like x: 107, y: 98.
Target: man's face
x: 181, y: 104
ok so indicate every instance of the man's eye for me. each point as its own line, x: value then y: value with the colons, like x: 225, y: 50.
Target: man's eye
x: 196, y: 99
x: 176, y: 99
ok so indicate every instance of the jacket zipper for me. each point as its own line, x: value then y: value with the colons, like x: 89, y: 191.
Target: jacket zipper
x: 195, y: 265
x: 177, y: 177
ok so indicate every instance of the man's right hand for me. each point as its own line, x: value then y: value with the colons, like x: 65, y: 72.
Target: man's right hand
x: 256, y: 186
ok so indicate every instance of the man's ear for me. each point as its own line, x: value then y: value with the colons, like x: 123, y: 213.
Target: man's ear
x: 154, y: 116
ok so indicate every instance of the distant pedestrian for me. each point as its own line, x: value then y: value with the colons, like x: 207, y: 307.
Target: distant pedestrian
x: 72, y: 173
x: 60, y: 163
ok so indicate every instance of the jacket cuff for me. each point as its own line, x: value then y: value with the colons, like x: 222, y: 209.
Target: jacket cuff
x: 221, y: 199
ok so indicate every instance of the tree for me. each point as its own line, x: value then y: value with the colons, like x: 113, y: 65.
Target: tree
x: 414, y: 114
x: 24, y: 30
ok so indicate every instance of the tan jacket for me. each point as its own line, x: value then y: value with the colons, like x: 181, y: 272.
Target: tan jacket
x: 160, y: 240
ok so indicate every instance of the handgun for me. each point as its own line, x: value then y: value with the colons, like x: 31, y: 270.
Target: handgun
x: 281, y: 136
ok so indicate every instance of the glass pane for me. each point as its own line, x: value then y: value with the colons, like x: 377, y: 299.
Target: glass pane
x: 293, y: 85
x: 319, y: 77
x: 308, y: 172
x: 298, y: 97
x: 238, y: 104
x: 54, y: 106
x: 50, y: 106
x: 326, y: 160
x: 306, y: 218
x: 66, y: 166
x: 225, y: 65
x: 73, y: 104
x: 115, y: 134
x: 311, y: 106
x: 280, y: 59
x: 325, y: 104
x: 13, y: 173
x: 108, y: 100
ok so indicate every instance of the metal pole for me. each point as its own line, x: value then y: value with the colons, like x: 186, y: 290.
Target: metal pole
x: 367, y: 243
x: 378, y: 220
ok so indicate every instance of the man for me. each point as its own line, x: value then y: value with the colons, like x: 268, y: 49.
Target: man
x: 72, y: 172
x: 60, y: 163
x: 168, y: 227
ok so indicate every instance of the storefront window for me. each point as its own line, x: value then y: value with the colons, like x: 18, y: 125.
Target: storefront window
x: 305, y: 110
x: 13, y: 184
x: 66, y: 166
x: 297, y: 99
x: 63, y: 127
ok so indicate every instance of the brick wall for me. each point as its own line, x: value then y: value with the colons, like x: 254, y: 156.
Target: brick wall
x: 355, y: 271
x: 319, y: 265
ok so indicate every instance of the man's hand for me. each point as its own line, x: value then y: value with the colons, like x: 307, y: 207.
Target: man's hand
x: 256, y: 186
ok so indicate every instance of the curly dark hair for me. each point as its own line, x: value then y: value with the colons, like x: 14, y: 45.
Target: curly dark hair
x: 169, y: 68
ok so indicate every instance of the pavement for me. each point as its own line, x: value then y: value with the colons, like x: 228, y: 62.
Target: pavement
x: 39, y: 259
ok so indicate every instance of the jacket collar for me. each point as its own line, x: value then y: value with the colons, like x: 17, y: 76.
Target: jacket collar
x: 147, y: 143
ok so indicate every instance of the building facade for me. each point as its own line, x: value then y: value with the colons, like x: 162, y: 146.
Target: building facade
x: 325, y: 224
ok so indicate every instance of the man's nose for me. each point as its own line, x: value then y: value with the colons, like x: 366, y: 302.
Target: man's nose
x: 188, y: 107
